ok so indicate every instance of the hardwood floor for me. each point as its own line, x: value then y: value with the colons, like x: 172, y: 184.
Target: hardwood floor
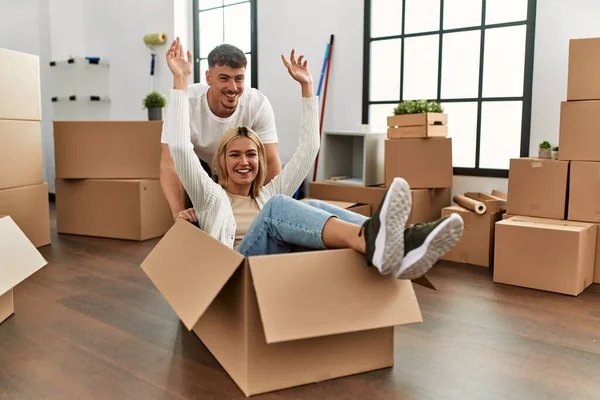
x: 90, y: 325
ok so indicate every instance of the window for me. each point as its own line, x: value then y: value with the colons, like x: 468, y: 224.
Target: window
x: 224, y: 21
x: 473, y: 56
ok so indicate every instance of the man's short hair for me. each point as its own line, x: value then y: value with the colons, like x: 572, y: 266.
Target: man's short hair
x: 228, y: 55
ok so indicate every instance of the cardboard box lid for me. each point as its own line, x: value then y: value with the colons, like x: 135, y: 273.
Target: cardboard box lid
x: 18, y: 256
x: 189, y: 268
x: 318, y: 293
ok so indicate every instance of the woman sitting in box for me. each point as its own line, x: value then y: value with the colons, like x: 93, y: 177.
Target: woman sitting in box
x: 257, y: 219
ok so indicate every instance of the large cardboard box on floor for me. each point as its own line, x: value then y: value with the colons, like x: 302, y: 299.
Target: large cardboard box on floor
x: 133, y: 209
x: 545, y: 254
x: 578, y: 131
x: 20, y: 153
x: 427, y: 204
x: 29, y: 207
x: 584, y: 192
x: 18, y: 260
x: 107, y: 149
x: 284, y: 320
x: 583, y: 82
x: 20, y: 86
x: 424, y: 163
x: 476, y: 247
x: 537, y: 188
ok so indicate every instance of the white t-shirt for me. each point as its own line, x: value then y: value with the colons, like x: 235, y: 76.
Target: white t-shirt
x: 254, y: 110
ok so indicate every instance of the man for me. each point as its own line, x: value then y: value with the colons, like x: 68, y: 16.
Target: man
x: 216, y: 106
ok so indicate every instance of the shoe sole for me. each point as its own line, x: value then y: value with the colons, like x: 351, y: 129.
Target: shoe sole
x: 443, y: 238
x: 389, y: 243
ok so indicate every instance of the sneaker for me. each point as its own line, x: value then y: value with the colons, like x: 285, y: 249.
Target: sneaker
x: 426, y: 243
x: 384, y: 231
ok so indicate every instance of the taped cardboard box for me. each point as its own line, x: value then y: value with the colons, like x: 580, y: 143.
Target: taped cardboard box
x: 107, y: 149
x: 584, y: 191
x: 537, y: 188
x: 20, y: 153
x: 19, y: 259
x: 545, y: 254
x: 583, y: 82
x: 29, y: 207
x: 133, y: 209
x: 476, y: 247
x: 20, y: 86
x: 284, y: 320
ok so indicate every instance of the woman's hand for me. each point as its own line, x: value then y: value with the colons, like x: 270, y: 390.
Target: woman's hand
x: 298, y: 69
x: 178, y: 64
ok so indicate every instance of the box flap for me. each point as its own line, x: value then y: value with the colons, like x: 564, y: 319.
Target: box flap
x: 544, y: 223
x: 189, y: 268
x: 317, y: 293
x: 18, y: 256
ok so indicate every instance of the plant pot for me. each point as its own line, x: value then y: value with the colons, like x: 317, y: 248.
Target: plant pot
x: 155, y: 114
x: 545, y: 153
x: 555, y: 154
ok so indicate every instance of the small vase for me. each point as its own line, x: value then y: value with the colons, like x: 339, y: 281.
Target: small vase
x: 545, y: 153
x: 555, y: 154
x: 155, y: 114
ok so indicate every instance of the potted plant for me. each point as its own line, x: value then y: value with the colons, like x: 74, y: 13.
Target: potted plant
x: 555, y: 153
x: 545, y: 150
x: 154, y: 102
x: 417, y: 118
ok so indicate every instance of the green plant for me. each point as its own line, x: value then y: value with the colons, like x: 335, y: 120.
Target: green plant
x: 545, y: 145
x: 555, y: 148
x: 417, y: 106
x: 154, y: 100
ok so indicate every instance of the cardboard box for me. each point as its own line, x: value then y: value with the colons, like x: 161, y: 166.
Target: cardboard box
x: 537, y: 188
x: 107, y: 149
x: 424, y: 163
x: 19, y: 259
x: 583, y: 82
x: 20, y: 86
x: 133, y: 209
x: 427, y: 204
x: 283, y: 320
x: 362, y: 209
x: 584, y: 192
x: 578, y: 131
x: 476, y: 247
x: 544, y: 254
x: 493, y: 205
x: 507, y: 216
x: 20, y: 153
x: 29, y: 207
x: 597, y: 257
x: 421, y: 125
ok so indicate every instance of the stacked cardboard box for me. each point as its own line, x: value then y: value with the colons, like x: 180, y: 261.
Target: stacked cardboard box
x: 23, y: 192
x: 559, y: 247
x: 480, y: 212
x: 108, y: 179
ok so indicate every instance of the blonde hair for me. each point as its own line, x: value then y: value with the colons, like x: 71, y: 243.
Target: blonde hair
x: 219, y: 165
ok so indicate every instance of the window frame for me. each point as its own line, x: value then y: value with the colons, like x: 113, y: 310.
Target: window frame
x: 529, y: 22
x: 253, y: 39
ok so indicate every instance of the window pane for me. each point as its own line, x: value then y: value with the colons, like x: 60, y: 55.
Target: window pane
x: 421, y: 67
x: 462, y: 128
x: 498, y: 11
x: 386, y: 17
x: 237, y: 26
x: 500, y: 133
x: 384, y: 77
x: 211, y: 30
x: 248, y: 76
x: 378, y: 114
x: 422, y: 16
x: 462, y: 13
x: 460, y: 64
x: 203, y: 69
x: 204, y: 4
x: 504, y: 62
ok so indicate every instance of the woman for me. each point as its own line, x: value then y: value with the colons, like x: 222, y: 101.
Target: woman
x: 257, y: 219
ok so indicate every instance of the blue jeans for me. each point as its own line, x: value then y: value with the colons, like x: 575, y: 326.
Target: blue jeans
x: 286, y: 225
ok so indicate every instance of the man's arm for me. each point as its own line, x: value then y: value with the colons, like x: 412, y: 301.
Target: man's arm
x: 273, y: 161
x: 171, y: 184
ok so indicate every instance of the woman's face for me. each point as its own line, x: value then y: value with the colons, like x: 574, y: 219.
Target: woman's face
x: 241, y: 160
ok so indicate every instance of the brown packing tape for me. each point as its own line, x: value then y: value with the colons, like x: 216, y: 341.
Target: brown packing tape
x: 470, y: 204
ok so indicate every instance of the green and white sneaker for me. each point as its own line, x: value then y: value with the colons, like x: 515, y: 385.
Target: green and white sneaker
x: 384, y: 231
x: 426, y: 243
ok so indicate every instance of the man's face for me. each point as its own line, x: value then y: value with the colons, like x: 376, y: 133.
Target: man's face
x: 227, y: 85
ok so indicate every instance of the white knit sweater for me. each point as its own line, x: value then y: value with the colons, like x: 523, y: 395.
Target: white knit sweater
x: 211, y: 203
